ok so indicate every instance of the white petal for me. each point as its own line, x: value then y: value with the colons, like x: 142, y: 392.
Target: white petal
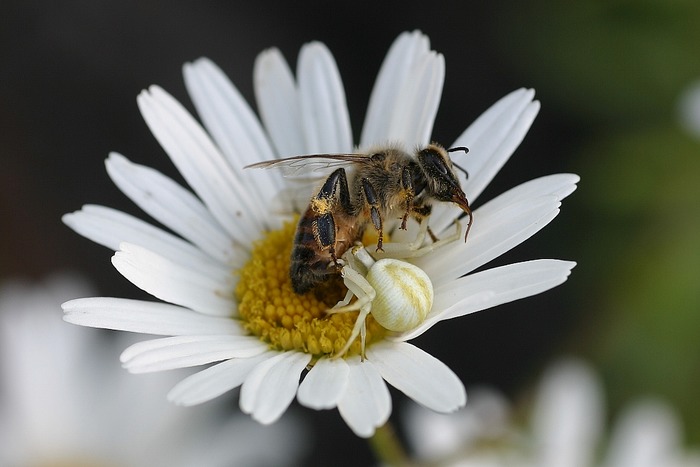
x: 110, y: 227
x: 500, y: 225
x: 145, y: 317
x: 324, y: 385
x: 559, y: 185
x: 322, y: 102
x: 215, y: 380
x: 417, y: 106
x: 173, y: 283
x: 419, y: 375
x: 394, y: 69
x: 171, y: 205
x: 366, y: 403
x: 489, y: 240
x: 505, y: 284
x: 491, y: 288
x: 231, y: 122
x: 568, y: 416
x: 271, y: 386
x: 185, y: 351
x: 406, y: 94
x: 648, y: 434
x: 199, y: 161
x: 491, y: 140
x: 494, y: 136
x: 227, y: 116
x: 278, y: 103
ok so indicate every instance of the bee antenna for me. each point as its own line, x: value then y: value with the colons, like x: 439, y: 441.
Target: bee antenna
x: 459, y: 148
x: 461, y: 168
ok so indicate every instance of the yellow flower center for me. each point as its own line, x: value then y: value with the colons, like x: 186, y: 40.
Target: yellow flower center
x: 271, y: 310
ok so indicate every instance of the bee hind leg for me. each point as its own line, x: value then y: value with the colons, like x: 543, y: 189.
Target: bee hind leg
x: 334, y: 192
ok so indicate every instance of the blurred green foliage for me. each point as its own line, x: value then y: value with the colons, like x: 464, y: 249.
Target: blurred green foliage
x: 642, y: 255
x: 616, y: 70
x: 622, y: 61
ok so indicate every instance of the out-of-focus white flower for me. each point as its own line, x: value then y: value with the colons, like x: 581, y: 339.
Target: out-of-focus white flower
x: 649, y: 434
x: 689, y: 109
x: 566, y: 430
x: 434, y: 436
x: 567, y: 419
x: 63, y: 403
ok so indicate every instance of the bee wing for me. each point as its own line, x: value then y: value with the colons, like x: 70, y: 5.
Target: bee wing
x: 314, y: 164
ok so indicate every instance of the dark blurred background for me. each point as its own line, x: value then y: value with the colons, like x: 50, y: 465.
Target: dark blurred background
x: 608, y: 74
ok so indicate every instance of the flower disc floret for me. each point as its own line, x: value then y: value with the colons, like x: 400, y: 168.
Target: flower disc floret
x: 271, y: 310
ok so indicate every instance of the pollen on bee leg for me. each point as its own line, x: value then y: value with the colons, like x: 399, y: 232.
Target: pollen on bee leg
x: 321, y: 205
x: 270, y: 309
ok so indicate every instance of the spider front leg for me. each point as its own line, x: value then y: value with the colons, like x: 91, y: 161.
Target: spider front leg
x: 357, y: 285
x: 399, y: 294
x: 358, y: 262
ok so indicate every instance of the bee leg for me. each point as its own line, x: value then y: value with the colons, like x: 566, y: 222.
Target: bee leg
x: 408, y: 193
x: 334, y: 190
x: 375, y: 217
x: 334, y: 258
x: 324, y: 233
x: 421, y: 213
x: 432, y: 235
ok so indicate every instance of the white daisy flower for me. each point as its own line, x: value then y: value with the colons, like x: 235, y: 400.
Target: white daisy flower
x: 60, y: 404
x: 224, y: 274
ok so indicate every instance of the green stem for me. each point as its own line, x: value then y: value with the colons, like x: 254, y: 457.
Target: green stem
x: 387, y: 447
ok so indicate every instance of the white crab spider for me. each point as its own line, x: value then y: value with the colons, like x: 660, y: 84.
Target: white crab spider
x: 399, y: 294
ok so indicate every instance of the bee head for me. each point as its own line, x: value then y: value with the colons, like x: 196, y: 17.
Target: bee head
x: 440, y: 178
x: 441, y: 182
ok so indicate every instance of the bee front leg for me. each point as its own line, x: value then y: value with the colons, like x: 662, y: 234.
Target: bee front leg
x: 374, y: 215
x: 421, y: 213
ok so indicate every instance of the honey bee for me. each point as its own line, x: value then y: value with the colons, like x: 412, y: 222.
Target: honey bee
x: 388, y: 183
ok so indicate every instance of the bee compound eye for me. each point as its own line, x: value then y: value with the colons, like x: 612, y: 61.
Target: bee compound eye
x: 432, y: 158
